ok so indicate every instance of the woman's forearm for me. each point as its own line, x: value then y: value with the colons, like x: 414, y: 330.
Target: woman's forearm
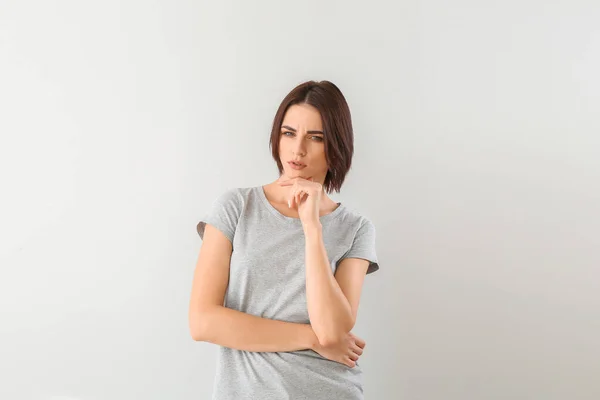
x: 329, y: 311
x: 237, y: 330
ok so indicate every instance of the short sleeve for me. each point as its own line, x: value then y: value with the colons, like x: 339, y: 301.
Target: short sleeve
x: 363, y: 246
x: 223, y: 214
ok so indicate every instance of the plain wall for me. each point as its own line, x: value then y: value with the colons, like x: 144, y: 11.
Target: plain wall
x: 477, y: 138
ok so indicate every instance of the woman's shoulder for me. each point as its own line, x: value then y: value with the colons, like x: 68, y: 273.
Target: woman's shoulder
x: 355, y: 212
x: 351, y: 215
x: 234, y: 194
x: 230, y: 199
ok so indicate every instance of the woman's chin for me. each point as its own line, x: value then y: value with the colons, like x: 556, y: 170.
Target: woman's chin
x: 299, y: 174
x: 295, y: 173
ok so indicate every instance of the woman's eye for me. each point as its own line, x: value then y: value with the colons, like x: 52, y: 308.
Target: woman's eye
x: 318, y: 138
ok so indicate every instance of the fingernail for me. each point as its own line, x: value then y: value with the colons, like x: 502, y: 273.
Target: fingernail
x: 289, y: 204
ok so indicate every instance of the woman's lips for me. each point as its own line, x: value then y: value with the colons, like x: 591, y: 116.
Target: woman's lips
x: 295, y: 166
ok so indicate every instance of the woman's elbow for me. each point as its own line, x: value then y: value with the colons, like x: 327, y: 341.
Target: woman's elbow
x: 334, y: 336
x: 331, y: 339
x: 196, y: 334
x: 198, y: 326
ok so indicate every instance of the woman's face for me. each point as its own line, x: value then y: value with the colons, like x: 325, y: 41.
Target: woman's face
x: 302, y: 140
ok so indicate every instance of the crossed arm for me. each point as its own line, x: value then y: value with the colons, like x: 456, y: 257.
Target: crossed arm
x: 332, y: 300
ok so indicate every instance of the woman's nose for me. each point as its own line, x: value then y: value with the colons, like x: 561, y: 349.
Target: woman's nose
x: 299, y: 147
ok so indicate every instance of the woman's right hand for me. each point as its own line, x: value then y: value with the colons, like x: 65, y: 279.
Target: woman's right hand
x: 346, y: 351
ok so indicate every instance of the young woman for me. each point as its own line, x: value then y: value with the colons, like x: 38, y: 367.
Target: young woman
x: 281, y: 266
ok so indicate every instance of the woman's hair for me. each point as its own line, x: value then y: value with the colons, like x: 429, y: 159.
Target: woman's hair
x: 337, y: 128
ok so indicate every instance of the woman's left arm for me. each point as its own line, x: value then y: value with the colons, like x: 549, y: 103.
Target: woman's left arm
x: 332, y: 301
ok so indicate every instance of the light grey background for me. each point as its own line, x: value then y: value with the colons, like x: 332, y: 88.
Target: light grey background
x: 477, y: 157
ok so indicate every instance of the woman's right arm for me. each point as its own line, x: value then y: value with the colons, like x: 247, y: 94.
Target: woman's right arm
x: 211, y: 322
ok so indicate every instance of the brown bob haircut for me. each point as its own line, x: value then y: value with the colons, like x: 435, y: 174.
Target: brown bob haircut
x: 337, y: 128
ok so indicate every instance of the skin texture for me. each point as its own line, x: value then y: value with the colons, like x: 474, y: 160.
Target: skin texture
x: 332, y: 300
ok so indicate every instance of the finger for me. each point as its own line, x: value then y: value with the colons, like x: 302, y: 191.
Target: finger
x: 353, y: 356
x: 299, y: 197
x: 357, y: 350
x: 304, y: 196
x: 349, y: 363
x: 359, y: 342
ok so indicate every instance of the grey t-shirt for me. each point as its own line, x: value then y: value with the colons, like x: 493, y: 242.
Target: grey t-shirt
x: 267, y: 279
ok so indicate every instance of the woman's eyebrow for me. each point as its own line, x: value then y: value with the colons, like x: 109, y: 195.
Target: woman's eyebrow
x: 293, y: 130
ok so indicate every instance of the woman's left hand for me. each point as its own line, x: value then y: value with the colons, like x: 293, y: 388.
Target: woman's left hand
x: 305, y: 196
